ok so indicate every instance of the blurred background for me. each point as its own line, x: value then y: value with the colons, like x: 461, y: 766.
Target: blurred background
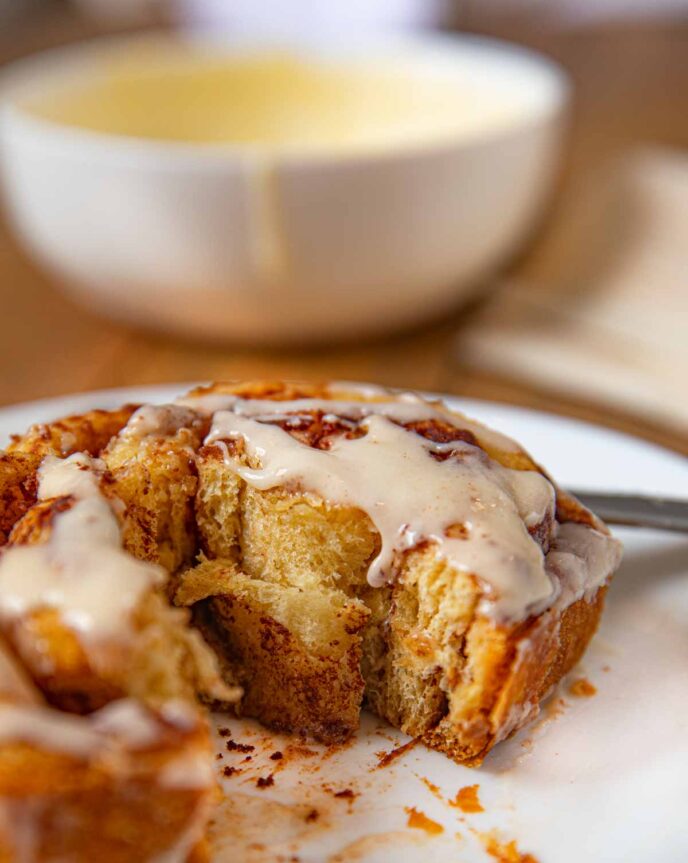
x: 586, y: 314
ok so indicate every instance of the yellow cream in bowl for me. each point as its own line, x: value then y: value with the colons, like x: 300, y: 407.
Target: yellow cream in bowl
x: 269, y: 101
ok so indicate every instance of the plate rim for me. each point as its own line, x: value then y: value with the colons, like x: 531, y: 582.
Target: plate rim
x: 457, y: 401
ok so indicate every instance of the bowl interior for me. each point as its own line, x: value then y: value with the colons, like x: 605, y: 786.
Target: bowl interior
x: 400, y: 94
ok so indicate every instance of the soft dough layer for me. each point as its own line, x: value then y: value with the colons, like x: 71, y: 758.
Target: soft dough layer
x: 296, y: 653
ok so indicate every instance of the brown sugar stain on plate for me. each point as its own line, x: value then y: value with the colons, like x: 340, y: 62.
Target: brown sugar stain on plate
x: 242, y: 822
x: 257, y: 821
x: 367, y: 845
x: 259, y: 829
x: 467, y: 799
x: 432, y: 788
x: 419, y: 821
x: 504, y: 851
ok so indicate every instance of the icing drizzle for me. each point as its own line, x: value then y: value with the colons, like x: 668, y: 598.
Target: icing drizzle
x: 404, y: 407
x: 81, y: 569
x: 475, y: 512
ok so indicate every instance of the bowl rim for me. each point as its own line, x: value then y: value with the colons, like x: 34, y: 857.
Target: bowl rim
x: 29, y: 71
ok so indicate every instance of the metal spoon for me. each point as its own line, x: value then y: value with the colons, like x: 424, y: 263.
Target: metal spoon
x: 637, y: 510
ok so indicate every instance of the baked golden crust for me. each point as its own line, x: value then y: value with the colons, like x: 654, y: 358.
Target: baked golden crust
x: 89, y: 433
x: 17, y: 490
x: 516, y: 671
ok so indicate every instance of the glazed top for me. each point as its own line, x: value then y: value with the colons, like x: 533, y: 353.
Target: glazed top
x: 483, y: 518
x: 421, y: 473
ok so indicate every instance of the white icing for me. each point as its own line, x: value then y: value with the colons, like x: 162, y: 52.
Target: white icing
x: 158, y: 420
x: 581, y: 558
x: 364, y: 390
x: 410, y: 496
x: 404, y: 410
x: 122, y: 725
x: 390, y: 474
x: 127, y: 720
x: 207, y: 403
x: 179, y: 713
x: 67, y: 442
x: 190, y: 771
x: 82, y: 569
x: 402, y: 407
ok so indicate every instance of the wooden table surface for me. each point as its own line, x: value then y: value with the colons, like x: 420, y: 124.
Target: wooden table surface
x: 631, y: 88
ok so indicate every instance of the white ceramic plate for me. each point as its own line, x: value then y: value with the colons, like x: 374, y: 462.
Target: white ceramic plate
x: 600, y: 778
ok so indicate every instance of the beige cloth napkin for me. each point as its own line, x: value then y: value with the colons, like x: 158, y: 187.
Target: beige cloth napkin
x: 603, y: 313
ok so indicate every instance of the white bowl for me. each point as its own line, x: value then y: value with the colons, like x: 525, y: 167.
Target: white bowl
x: 176, y: 237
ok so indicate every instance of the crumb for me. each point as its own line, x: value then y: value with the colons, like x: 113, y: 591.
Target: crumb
x: 265, y: 781
x: 420, y: 821
x: 386, y: 758
x: 248, y: 758
x: 457, y: 531
x: 276, y: 756
x: 218, y: 756
x: 582, y: 688
x: 230, y: 771
x: 467, y: 799
x: 239, y: 747
x: 552, y: 710
x: 224, y: 732
x: 312, y: 816
x: 346, y: 794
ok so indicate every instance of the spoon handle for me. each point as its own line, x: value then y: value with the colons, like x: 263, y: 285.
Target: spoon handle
x: 637, y: 510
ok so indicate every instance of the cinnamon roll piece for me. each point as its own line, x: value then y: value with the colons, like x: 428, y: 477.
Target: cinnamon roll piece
x: 483, y: 582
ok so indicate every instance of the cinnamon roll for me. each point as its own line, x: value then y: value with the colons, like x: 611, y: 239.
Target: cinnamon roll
x: 290, y: 552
